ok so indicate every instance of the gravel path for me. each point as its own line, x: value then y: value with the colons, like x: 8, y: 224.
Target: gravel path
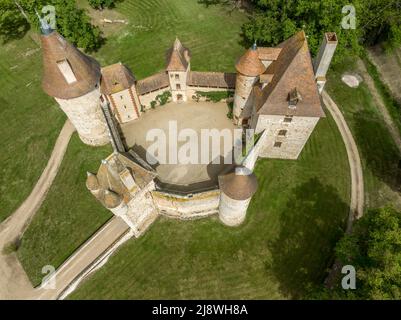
x: 357, y: 186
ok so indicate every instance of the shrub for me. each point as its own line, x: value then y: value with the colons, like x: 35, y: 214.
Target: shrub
x: 215, y: 96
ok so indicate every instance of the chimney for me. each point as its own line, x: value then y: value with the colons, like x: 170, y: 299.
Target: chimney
x: 323, y: 58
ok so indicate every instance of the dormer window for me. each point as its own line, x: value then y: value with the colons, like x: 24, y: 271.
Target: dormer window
x: 293, y: 98
x: 66, y: 70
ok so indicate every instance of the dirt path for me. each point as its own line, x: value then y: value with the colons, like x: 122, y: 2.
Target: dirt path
x: 13, y: 280
x: 357, y: 186
x: 378, y: 101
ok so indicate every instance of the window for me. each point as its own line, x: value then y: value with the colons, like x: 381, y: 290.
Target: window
x: 125, y: 107
x: 178, y: 86
x: 66, y: 70
x: 282, y: 133
x: 177, y: 77
x: 277, y: 144
x: 287, y: 118
x: 121, y: 97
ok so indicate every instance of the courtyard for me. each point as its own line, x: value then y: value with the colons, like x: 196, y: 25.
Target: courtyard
x: 196, y: 116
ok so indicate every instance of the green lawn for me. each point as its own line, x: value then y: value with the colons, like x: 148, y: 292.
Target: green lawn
x: 285, y: 244
x: 211, y: 34
x: 31, y: 122
x: 68, y: 216
x: 377, y: 149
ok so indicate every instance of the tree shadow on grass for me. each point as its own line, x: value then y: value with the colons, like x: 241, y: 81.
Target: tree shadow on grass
x: 310, y: 226
x: 378, y: 149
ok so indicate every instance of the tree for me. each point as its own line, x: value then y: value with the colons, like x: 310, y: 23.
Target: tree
x: 374, y: 249
x: 72, y: 22
x: 13, y: 25
x: 276, y: 20
x: 101, y: 4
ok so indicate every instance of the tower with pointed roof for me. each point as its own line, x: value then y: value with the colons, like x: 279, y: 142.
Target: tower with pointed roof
x: 249, y: 68
x: 73, y: 79
x: 178, y: 67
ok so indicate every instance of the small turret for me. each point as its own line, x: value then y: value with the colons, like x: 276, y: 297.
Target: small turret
x: 92, y: 184
x: 237, y: 189
x: 114, y: 202
x: 249, y: 68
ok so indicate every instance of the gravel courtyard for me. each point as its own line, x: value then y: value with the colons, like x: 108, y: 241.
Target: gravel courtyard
x: 188, y: 115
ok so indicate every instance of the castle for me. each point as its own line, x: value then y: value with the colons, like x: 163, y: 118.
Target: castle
x: 276, y: 93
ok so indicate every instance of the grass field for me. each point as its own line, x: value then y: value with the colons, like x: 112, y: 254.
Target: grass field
x: 377, y: 149
x: 285, y: 245
x: 30, y: 121
x: 212, y: 34
x: 69, y: 214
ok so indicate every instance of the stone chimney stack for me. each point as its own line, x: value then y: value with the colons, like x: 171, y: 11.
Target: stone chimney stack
x: 323, y: 58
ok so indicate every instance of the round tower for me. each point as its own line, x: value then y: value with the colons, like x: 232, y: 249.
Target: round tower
x: 92, y: 184
x: 236, y: 191
x: 114, y: 202
x: 73, y: 79
x: 249, y: 68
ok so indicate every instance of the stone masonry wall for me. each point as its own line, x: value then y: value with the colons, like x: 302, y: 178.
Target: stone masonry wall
x: 185, y: 207
x: 292, y: 143
x: 87, y: 117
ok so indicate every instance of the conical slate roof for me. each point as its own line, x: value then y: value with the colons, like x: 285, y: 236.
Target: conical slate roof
x: 241, y: 184
x: 249, y: 64
x: 56, y: 51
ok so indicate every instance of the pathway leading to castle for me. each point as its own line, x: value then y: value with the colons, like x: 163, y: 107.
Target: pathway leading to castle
x: 357, y: 186
x: 14, y: 283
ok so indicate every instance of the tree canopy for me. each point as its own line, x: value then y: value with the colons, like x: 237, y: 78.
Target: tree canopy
x: 374, y: 249
x: 275, y: 20
x: 101, y: 4
x: 71, y: 22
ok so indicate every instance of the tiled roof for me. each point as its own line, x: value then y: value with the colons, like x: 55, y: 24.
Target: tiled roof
x: 292, y: 69
x: 86, y: 70
x: 177, y: 57
x: 249, y: 64
x: 115, y: 78
x: 211, y: 79
x: 239, y: 184
x: 267, y: 53
x: 152, y: 83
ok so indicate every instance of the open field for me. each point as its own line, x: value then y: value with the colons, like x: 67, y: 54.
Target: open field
x: 377, y: 149
x: 31, y: 122
x: 212, y: 34
x: 285, y: 244
x: 69, y: 215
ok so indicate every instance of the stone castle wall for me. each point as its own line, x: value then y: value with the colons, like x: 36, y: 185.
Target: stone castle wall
x: 187, y: 207
x: 290, y: 145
